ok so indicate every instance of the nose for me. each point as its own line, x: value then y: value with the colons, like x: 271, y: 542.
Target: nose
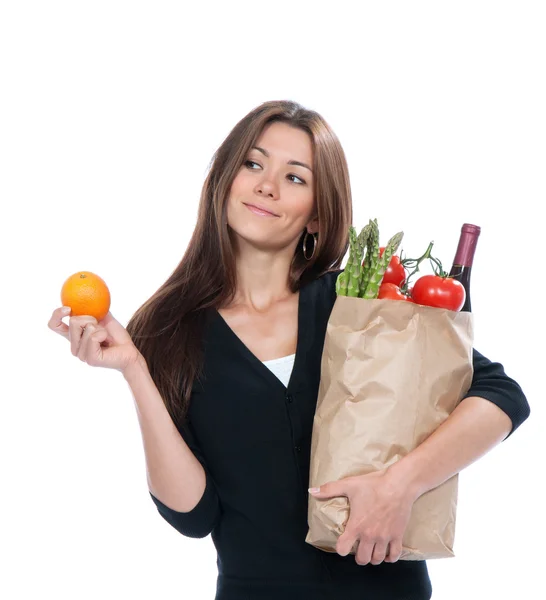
x: 268, y: 188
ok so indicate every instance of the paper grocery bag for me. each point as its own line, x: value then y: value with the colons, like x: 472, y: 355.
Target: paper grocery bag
x: 391, y: 373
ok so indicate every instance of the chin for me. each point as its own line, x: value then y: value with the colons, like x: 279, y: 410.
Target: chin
x: 258, y: 235
x: 251, y: 234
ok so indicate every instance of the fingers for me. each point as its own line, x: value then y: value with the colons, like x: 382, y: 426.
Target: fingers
x: 346, y: 542
x: 379, y: 553
x: 56, y: 324
x: 90, y: 350
x: 376, y: 552
x: 394, y: 553
x: 76, y: 330
x: 368, y: 552
x: 84, y: 346
x: 364, y: 552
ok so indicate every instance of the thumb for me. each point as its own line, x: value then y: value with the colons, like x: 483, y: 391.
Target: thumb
x: 100, y: 335
x: 332, y: 489
x: 116, y: 332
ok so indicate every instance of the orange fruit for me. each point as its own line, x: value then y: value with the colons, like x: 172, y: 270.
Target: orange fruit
x: 86, y: 294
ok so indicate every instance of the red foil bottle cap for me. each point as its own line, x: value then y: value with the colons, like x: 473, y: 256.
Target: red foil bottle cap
x: 468, y: 227
x: 467, y: 245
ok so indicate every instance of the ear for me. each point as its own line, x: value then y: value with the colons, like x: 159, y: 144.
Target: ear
x: 313, y: 225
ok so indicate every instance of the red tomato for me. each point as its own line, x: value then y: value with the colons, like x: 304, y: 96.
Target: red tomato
x: 390, y: 291
x: 440, y: 292
x: 395, y: 273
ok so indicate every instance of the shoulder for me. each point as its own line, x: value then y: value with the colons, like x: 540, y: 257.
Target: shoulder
x: 325, y: 283
x: 321, y: 292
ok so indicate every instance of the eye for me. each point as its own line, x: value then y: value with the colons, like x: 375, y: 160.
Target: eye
x: 300, y: 180
x: 249, y: 164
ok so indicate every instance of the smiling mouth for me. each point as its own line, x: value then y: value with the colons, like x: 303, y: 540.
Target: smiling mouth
x: 260, y: 211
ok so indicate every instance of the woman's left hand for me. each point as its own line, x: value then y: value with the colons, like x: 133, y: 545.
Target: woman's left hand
x: 380, y: 508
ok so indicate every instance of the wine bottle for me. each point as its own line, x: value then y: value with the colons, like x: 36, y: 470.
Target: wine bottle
x: 464, y: 257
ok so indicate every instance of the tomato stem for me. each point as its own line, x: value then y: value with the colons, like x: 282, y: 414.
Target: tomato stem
x: 436, y: 262
x: 413, y: 263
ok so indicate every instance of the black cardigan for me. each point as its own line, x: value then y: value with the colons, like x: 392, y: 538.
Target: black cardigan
x: 253, y: 438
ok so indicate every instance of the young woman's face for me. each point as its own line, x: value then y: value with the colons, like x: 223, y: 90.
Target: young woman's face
x: 270, y: 180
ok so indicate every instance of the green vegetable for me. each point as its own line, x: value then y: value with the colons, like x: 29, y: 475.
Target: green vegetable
x: 362, y: 278
x: 372, y: 256
x: 364, y: 240
x: 342, y: 283
x: 379, y: 266
x: 353, y: 285
x: 348, y: 282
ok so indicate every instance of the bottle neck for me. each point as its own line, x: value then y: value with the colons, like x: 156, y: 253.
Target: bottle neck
x: 466, y: 249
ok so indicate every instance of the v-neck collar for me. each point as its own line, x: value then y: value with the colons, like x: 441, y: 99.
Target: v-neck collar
x: 256, y: 362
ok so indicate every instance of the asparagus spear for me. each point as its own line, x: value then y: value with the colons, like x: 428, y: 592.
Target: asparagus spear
x: 343, y: 278
x: 353, y: 287
x: 363, y: 238
x: 341, y: 284
x: 377, y: 273
x: 354, y: 262
x: 372, y: 256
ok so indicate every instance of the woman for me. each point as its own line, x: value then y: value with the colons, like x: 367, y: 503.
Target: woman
x: 224, y: 365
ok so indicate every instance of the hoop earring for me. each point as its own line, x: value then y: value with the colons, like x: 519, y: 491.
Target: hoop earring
x: 305, y: 246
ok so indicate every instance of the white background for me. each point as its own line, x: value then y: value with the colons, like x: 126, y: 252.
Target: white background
x: 109, y: 115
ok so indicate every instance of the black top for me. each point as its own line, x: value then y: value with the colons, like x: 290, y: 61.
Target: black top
x: 253, y: 438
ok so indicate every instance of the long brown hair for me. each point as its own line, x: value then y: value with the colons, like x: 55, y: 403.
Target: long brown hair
x: 167, y: 329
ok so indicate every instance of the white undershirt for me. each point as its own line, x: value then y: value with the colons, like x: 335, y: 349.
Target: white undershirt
x: 281, y: 367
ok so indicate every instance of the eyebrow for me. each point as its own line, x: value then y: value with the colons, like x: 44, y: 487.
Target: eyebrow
x: 290, y: 162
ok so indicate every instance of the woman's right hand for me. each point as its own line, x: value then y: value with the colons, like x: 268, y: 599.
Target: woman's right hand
x: 104, y: 343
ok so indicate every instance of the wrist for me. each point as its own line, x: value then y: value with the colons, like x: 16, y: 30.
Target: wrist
x: 405, y: 473
x: 135, y: 368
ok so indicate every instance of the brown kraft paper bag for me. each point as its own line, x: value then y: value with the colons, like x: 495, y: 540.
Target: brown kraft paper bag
x: 391, y: 373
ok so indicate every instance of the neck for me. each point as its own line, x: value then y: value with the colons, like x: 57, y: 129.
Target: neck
x: 262, y: 277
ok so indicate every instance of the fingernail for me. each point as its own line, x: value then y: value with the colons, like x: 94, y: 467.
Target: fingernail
x: 65, y: 310
x: 313, y: 490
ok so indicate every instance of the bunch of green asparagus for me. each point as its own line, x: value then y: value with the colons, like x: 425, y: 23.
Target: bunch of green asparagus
x: 365, y: 267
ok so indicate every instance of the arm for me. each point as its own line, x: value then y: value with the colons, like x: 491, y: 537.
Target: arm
x: 381, y: 502
x: 491, y: 411
x: 178, y: 482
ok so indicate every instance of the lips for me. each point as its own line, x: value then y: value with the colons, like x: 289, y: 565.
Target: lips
x: 257, y: 210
